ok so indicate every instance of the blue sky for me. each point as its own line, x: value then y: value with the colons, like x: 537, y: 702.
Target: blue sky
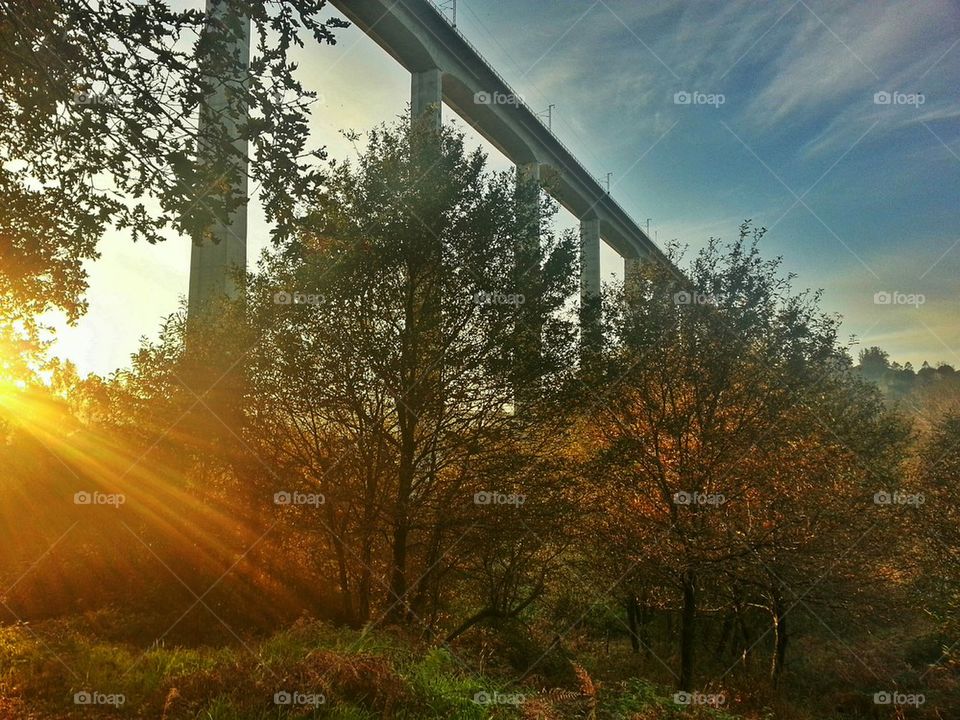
x: 860, y: 195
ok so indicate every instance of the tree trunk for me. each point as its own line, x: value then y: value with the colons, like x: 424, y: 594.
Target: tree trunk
x: 397, y: 594
x: 430, y: 561
x: 343, y: 569
x: 346, y: 600
x: 745, y: 635
x: 726, y: 630
x: 632, y: 612
x: 645, y: 624
x: 687, y: 629
x: 363, y: 586
x: 369, y: 530
x: 780, y: 640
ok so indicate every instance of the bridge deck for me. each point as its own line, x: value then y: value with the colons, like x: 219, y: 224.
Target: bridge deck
x: 417, y: 35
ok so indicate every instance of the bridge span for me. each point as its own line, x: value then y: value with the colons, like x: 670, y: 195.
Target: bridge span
x: 445, y: 66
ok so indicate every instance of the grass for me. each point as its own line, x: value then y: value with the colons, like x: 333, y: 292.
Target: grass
x: 334, y: 673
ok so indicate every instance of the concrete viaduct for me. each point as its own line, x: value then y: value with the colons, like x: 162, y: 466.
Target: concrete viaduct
x: 446, y: 68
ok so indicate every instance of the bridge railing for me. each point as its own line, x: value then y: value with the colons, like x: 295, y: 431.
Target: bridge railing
x: 519, y: 99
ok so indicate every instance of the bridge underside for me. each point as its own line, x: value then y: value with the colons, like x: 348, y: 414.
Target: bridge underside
x: 445, y: 67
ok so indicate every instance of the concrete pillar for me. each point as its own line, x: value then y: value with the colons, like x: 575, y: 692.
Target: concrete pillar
x: 221, y: 252
x: 528, y: 333
x: 632, y: 274
x: 590, y: 310
x: 426, y: 96
x: 528, y: 197
x: 529, y: 171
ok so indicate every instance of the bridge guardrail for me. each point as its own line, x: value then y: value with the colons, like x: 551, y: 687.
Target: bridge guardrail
x: 436, y: 8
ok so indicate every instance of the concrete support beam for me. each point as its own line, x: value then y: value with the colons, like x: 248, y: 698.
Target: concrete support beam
x: 218, y: 256
x: 528, y: 332
x: 590, y: 311
x: 418, y: 36
x: 529, y: 171
x: 589, y: 258
x: 632, y: 275
x: 528, y: 198
x: 426, y: 97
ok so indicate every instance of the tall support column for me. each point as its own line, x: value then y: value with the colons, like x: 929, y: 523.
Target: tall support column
x: 219, y: 253
x: 426, y: 96
x: 218, y: 257
x: 423, y: 394
x: 529, y: 172
x: 528, y: 279
x: 632, y: 276
x: 590, y: 311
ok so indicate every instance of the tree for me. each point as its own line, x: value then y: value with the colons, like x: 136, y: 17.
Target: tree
x: 710, y: 430
x: 841, y: 447
x: 98, y: 125
x: 874, y: 362
x: 936, y: 480
x: 387, y: 367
